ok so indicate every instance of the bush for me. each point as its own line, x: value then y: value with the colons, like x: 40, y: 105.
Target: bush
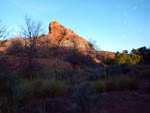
x: 135, y: 58
x: 100, y: 86
x: 121, y: 82
x: 109, y: 60
x: 40, y: 88
x: 144, y: 53
x: 110, y: 84
x: 31, y: 88
x: 53, y: 89
x: 117, y: 83
x: 124, y: 58
x: 85, y: 97
x: 10, y: 92
x: 81, y: 76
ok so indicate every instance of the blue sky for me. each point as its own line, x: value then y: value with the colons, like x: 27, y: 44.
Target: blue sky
x: 115, y: 25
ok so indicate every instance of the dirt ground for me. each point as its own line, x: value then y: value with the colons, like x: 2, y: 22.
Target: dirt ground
x: 126, y: 101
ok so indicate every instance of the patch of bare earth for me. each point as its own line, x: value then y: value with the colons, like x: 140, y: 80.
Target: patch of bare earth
x: 126, y: 101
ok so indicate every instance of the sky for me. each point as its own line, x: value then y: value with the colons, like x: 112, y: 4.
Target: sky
x: 114, y: 25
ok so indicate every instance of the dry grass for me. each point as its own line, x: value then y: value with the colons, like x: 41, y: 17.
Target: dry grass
x: 117, y: 83
x: 40, y: 88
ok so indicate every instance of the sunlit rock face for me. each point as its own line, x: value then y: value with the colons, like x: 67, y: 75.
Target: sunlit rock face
x: 64, y: 37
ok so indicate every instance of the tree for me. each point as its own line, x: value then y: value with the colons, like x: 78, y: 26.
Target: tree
x: 135, y: 58
x: 31, y: 31
x: 4, y: 64
x: 93, y: 44
x: 125, y: 51
x: 3, y: 30
x: 124, y: 58
x: 144, y: 53
x: 109, y: 60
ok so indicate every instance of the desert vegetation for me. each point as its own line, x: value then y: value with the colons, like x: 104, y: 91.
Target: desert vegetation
x: 36, y: 72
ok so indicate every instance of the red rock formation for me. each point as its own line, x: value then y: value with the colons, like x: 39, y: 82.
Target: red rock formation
x: 63, y: 37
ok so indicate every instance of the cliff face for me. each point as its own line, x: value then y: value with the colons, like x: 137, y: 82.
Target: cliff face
x: 63, y: 37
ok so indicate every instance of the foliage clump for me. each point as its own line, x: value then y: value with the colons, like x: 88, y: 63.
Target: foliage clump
x: 117, y: 83
x: 109, y: 60
x: 124, y: 58
x: 40, y: 88
x: 86, y: 98
x: 10, y: 92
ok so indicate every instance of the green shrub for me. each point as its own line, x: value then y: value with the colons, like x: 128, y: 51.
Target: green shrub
x: 122, y: 82
x: 124, y: 58
x: 32, y: 88
x: 135, y: 58
x: 40, y: 88
x: 100, y: 86
x: 10, y: 92
x: 117, y: 83
x: 85, y: 98
x: 126, y: 83
x: 109, y: 60
x: 110, y: 84
x: 53, y: 89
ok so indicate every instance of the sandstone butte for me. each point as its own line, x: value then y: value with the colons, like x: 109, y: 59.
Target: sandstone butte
x: 63, y: 37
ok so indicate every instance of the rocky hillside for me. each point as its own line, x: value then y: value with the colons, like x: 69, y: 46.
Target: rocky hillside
x: 63, y: 39
x: 61, y: 36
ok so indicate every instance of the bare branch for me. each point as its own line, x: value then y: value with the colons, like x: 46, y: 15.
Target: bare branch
x: 3, y: 31
x: 94, y: 44
x: 31, y: 32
